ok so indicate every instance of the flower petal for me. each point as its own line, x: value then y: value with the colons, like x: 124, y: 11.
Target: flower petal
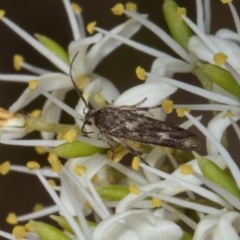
x: 48, y: 82
x: 107, y: 44
x: 51, y: 112
x: 154, y: 93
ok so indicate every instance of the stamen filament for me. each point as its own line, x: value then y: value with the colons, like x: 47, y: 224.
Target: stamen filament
x: 39, y: 47
x: 72, y: 20
x: 161, y: 34
x: 17, y: 77
x: 62, y: 208
x: 230, y: 162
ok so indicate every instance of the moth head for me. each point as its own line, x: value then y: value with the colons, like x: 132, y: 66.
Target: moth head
x: 90, y: 117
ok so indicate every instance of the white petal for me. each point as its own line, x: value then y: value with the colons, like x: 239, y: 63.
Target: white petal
x: 48, y: 82
x: 167, y: 66
x: 109, y: 90
x: 155, y: 92
x: 217, y: 126
x: 228, y: 34
x: 107, y: 44
x: 201, y: 51
x: 51, y: 112
x: 79, y: 66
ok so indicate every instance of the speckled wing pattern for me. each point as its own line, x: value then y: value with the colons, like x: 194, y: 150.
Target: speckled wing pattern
x: 124, y: 124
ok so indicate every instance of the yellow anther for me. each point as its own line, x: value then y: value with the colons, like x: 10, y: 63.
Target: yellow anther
x: 52, y: 157
x: 40, y: 150
x: 33, y: 165
x: 37, y: 207
x: 99, y: 100
x: 226, y: 1
x: 5, y: 114
x: 18, y: 60
x: 33, y: 84
x: 82, y: 82
x: 167, y: 105
x: 54, y: 162
x: 228, y: 114
x: 118, y: 9
x: 156, y: 202
x: 220, y: 58
x: 134, y: 189
x: 88, y: 205
x: 2, y: 13
x: 181, y: 12
x: 141, y: 73
x: 91, y: 27
x: 52, y: 183
x: 5, y: 168
x: 19, y: 232
x: 76, y: 8
x: 135, y: 163
x: 131, y: 6
x: 80, y: 170
x: 180, y: 111
x: 70, y: 135
x: 29, y: 227
x: 186, y: 169
x: 36, y: 113
x: 94, y: 178
x: 12, y: 218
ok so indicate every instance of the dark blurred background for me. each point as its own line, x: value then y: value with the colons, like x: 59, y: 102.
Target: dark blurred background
x: 19, y: 192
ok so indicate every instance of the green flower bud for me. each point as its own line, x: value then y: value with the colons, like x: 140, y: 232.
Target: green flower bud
x: 178, y: 28
x: 113, y: 192
x: 54, y: 47
x: 76, y: 149
x: 214, y: 173
x: 222, y: 78
x: 48, y: 232
x: 65, y: 225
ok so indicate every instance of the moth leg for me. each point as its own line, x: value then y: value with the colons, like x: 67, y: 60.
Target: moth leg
x: 133, y: 151
x: 104, y: 138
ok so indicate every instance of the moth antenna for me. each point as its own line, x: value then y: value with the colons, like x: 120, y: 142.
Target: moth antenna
x: 74, y: 84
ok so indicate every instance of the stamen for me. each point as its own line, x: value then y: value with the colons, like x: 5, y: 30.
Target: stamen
x: 33, y: 84
x: 181, y: 12
x: 186, y: 169
x: 135, y: 163
x: 118, y: 9
x: 18, y: 61
x: 161, y: 34
x: 198, y: 91
x: 41, y: 213
x: 156, y: 202
x: 72, y: 20
x: 19, y: 232
x: 181, y: 111
x: 220, y: 58
x: 39, y: 47
x: 17, y: 78
x: 235, y: 17
x: 141, y: 73
x: 131, y: 6
x: 200, y: 16
x: 5, y: 168
x: 167, y: 105
x: 36, y: 113
x: 62, y: 208
x: 134, y: 189
x: 37, y: 207
x: 33, y: 165
x: 54, y: 162
x: 80, y: 170
x: 91, y: 27
x: 12, y: 218
x: 230, y: 162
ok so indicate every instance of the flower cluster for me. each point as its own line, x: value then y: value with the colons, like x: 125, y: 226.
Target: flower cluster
x: 166, y: 193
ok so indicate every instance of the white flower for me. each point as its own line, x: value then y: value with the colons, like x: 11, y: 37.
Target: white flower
x: 222, y: 227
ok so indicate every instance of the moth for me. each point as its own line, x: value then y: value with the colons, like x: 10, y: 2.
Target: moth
x: 125, y: 123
